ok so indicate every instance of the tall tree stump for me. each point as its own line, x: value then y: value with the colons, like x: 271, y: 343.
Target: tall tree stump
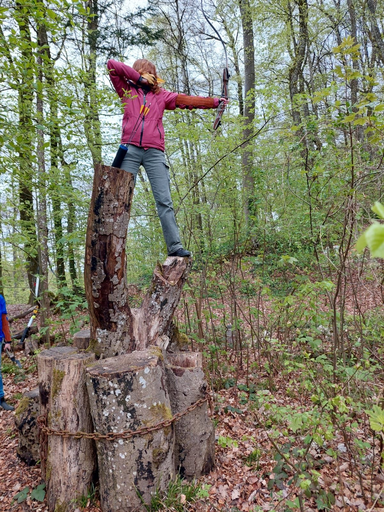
x: 68, y: 463
x: 126, y: 393
x: 195, y: 433
x: 105, y: 261
x: 115, y: 328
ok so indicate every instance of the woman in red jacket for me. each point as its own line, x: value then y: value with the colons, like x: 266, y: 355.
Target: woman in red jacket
x: 144, y: 103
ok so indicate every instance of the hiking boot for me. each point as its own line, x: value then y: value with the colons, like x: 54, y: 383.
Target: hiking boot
x: 180, y: 253
x: 6, y: 406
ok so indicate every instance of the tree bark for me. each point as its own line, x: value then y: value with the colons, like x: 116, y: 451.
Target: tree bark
x: 68, y: 464
x: 126, y: 393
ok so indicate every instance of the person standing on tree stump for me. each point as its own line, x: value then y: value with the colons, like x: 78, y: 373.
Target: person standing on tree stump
x: 142, y: 136
x: 5, y: 339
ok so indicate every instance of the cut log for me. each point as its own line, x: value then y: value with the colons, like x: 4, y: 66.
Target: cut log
x: 21, y: 315
x: 26, y: 414
x: 82, y: 338
x: 45, y: 363
x: 68, y: 463
x: 32, y: 330
x: 126, y: 393
x: 195, y: 434
x: 105, y: 261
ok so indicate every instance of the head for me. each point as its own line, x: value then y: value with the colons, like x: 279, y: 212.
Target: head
x: 146, y: 66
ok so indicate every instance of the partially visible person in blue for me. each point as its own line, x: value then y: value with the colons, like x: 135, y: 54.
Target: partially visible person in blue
x: 5, y: 339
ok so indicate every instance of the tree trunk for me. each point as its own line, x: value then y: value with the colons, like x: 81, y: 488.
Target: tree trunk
x: 195, y: 433
x: 68, y: 464
x: 126, y: 393
x: 249, y: 111
x: 42, y: 223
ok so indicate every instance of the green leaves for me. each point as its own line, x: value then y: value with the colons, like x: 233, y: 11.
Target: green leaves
x: 37, y: 494
x: 22, y: 495
x: 373, y: 237
x: 376, y: 418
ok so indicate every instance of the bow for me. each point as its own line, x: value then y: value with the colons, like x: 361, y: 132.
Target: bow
x: 224, y: 92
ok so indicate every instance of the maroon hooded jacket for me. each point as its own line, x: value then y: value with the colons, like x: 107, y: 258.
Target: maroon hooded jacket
x: 147, y: 131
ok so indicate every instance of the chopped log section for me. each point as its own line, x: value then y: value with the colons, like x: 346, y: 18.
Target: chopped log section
x: 115, y: 328
x: 152, y: 321
x: 127, y: 393
x: 195, y: 434
x: 26, y: 414
x: 81, y: 339
x: 105, y: 261
x: 69, y: 463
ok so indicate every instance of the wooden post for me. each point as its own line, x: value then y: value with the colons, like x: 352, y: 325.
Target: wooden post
x: 126, y: 393
x: 68, y: 463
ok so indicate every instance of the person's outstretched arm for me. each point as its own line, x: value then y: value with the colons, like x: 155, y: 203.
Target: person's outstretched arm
x: 184, y: 101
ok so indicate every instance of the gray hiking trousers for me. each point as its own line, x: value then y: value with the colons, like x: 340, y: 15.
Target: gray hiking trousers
x: 153, y: 161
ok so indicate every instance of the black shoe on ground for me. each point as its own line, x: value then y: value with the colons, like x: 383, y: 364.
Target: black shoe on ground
x: 6, y: 406
x: 181, y: 253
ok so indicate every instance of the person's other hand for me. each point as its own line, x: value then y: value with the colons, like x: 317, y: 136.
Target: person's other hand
x: 224, y: 100
x: 151, y: 79
x: 7, y: 346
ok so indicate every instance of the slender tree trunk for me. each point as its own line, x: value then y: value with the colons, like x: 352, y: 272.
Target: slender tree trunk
x: 92, y: 121
x: 376, y: 36
x: 249, y: 111
x: 42, y: 224
x: 25, y: 102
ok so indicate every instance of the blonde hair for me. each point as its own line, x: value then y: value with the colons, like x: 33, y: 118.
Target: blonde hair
x: 146, y: 66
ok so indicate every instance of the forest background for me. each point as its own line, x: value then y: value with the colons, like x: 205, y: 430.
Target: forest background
x: 271, y: 205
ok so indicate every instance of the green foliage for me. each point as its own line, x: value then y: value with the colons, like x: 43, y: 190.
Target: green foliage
x: 373, y: 237
x: 37, y: 494
x: 376, y: 419
x: 87, y: 499
x: 179, y: 494
x: 227, y: 442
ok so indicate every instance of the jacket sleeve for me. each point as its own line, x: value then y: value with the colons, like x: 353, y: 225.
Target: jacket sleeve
x: 5, y: 328
x: 184, y: 101
x: 120, y: 73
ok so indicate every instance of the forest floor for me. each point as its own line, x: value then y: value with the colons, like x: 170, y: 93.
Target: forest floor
x: 267, y: 454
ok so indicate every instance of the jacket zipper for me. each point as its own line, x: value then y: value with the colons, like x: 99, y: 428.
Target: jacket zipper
x: 142, y: 124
